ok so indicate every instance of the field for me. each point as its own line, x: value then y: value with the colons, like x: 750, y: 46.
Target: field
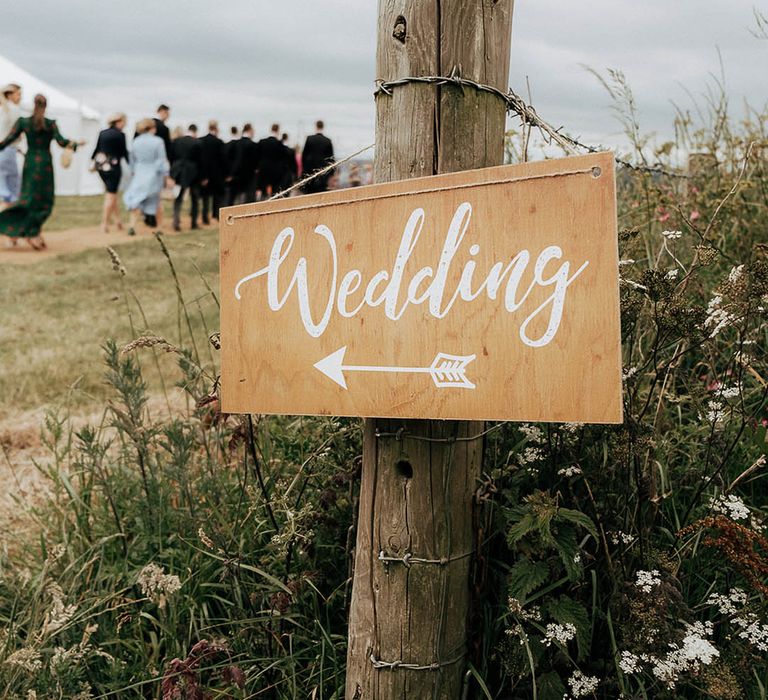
x: 57, y: 312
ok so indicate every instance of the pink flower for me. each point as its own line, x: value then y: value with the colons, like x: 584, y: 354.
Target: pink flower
x: 663, y: 214
x: 695, y: 216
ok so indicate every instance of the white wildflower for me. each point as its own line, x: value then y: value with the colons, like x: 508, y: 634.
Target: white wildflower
x: 582, y: 685
x: 619, y: 537
x: 532, y: 432
x: 726, y: 604
x: 729, y: 392
x: 688, y: 656
x: 559, y: 634
x: 529, y: 455
x: 672, y: 274
x: 715, y: 415
x: 629, y: 662
x: 717, y: 318
x: 751, y: 630
x: 27, y: 659
x: 156, y: 585
x: 731, y: 506
x: 628, y: 373
x: 735, y: 274
x: 672, y: 235
x: 646, y: 580
x: 573, y: 470
x: 626, y: 261
x: 572, y: 428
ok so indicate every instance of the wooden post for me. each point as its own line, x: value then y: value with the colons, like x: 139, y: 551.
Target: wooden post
x: 418, y: 482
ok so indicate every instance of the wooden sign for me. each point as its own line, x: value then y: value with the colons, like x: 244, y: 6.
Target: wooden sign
x: 481, y: 295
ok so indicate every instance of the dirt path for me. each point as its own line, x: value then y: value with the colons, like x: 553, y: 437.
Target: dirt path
x: 71, y: 241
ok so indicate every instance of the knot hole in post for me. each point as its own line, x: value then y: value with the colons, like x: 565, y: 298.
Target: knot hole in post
x: 597, y: 171
x: 400, y: 30
x: 404, y: 469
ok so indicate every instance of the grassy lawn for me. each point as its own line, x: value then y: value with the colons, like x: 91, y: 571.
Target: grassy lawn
x: 57, y: 313
x: 78, y: 212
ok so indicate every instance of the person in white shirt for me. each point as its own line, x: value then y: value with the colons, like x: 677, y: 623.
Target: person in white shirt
x: 10, y: 181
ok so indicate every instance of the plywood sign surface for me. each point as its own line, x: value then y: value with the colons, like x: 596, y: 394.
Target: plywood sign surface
x: 482, y: 295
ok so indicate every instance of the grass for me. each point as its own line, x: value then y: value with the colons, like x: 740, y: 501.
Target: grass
x: 79, y: 212
x: 57, y: 313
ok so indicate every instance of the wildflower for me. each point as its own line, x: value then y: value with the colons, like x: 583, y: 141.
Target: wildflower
x: 730, y: 392
x: 695, y: 215
x: 626, y: 261
x: 531, y: 432
x: 582, y: 685
x: 693, y: 652
x: 156, y: 585
x: 646, y: 580
x: 717, y: 318
x: 726, y: 604
x: 620, y: 537
x: 715, y: 414
x: 736, y: 273
x: 730, y: 506
x: 572, y: 428
x: 629, y: 662
x: 573, y: 470
x: 628, y: 373
x: 529, y: 455
x: 672, y: 235
x: 559, y: 634
x: 26, y: 659
x: 672, y: 274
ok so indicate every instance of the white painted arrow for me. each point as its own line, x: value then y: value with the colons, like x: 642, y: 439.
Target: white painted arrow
x: 445, y: 370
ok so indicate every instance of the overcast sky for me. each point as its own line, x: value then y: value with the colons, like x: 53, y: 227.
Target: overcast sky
x: 298, y: 60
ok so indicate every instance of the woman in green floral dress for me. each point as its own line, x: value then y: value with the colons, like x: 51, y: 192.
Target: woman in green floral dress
x: 25, y: 218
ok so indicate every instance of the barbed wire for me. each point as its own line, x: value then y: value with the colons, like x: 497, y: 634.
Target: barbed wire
x: 526, y: 112
x: 394, y: 665
x: 407, y: 560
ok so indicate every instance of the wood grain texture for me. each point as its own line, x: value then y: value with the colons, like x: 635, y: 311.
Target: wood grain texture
x: 425, y: 614
x: 269, y: 355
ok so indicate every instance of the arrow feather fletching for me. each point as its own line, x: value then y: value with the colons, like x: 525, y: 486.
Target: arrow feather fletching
x: 451, y: 371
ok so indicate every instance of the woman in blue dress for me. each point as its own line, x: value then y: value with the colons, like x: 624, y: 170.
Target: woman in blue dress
x: 149, y: 168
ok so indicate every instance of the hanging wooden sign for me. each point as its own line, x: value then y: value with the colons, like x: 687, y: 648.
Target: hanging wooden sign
x: 480, y: 295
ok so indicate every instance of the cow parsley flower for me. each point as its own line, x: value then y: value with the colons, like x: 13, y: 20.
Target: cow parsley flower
x: 735, y: 274
x: 573, y: 470
x: 532, y: 432
x: 582, y: 685
x: 672, y: 235
x: 647, y: 580
x: 629, y: 662
x: 559, y: 634
x: 730, y: 506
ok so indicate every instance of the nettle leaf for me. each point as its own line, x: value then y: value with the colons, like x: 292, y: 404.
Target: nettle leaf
x: 578, y: 518
x: 526, y: 576
x: 521, y: 528
x: 565, y: 609
x: 568, y: 550
x: 550, y: 686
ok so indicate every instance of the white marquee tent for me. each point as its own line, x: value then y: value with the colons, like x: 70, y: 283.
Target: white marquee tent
x: 76, y: 121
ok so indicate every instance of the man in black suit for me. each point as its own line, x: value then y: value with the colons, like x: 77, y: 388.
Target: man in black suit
x: 163, y: 112
x: 212, y: 172
x: 272, y: 164
x: 186, y: 166
x: 243, y: 172
x: 292, y: 166
x: 317, y: 154
x: 229, y: 162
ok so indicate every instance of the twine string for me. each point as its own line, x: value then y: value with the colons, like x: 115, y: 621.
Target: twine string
x: 402, y: 434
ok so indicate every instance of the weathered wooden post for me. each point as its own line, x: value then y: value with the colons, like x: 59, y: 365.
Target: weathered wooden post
x: 410, y: 598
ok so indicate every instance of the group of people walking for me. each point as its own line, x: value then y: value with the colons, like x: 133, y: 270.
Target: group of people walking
x: 212, y: 172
